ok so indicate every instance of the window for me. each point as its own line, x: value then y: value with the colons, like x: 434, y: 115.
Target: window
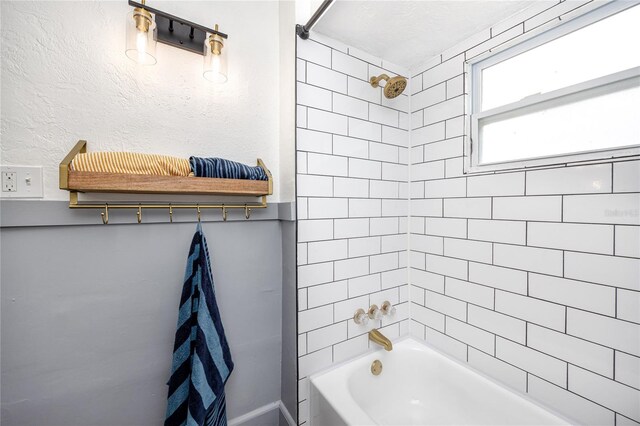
x: 569, y: 94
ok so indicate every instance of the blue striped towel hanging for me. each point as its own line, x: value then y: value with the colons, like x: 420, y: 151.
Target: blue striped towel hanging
x: 225, y: 169
x: 201, y: 358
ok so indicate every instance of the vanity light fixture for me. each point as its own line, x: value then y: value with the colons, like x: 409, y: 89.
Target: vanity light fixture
x: 146, y: 26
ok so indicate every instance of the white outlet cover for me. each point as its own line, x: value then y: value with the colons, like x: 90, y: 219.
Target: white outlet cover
x: 28, y: 182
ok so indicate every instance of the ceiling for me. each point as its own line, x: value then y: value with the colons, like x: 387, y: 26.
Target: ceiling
x: 406, y: 32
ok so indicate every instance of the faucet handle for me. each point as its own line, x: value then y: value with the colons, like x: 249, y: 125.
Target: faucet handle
x: 374, y: 313
x: 361, y: 317
x: 388, y: 308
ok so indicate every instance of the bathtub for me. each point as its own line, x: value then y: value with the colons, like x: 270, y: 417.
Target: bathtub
x: 417, y: 386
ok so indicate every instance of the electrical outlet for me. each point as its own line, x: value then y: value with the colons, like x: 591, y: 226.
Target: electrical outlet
x: 9, y: 181
x: 21, y: 181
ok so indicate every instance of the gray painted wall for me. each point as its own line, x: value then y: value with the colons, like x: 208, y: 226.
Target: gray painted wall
x: 88, y: 316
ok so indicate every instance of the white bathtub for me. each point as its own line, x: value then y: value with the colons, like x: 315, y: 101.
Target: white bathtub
x: 417, y: 386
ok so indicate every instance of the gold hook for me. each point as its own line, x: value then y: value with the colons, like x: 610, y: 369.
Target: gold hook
x: 224, y: 213
x: 139, y: 213
x: 247, y: 212
x: 105, y: 214
x: 198, y: 209
x: 170, y: 213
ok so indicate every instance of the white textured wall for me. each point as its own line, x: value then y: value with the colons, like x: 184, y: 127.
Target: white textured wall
x: 65, y: 77
x: 532, y: 277
x: 287, y: 101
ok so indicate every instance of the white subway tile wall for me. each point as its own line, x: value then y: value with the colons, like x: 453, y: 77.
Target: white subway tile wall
x: 532, y: 277
x: 352, y: 196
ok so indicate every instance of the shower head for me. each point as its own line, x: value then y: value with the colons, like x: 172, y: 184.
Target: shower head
x: 395, y: 85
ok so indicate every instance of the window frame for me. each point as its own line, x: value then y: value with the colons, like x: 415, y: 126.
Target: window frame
x: 473, y: 77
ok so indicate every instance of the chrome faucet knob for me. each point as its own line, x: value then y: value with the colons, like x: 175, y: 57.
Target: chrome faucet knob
x: 388, y: 308
x: 361, y: 317
x: 374, y: 313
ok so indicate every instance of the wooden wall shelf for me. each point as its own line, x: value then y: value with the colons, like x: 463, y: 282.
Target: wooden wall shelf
x: 126, y: 183
x: 151, y: 184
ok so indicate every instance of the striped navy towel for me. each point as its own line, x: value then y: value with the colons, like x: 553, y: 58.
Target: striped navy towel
x: 201, y: 357
x: 225, y: 169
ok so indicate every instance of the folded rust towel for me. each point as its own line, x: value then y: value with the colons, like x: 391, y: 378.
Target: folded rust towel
x: 132, y: 163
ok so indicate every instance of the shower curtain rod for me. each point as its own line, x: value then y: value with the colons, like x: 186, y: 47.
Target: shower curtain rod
x: 303, y: 30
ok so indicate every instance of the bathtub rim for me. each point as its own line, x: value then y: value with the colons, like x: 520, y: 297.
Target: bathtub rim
x: 367, y: 420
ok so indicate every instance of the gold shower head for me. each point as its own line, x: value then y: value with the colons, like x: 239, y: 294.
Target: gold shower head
x: 395, y: 85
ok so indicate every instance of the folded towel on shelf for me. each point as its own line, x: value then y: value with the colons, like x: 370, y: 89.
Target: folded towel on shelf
x: 225, y: 169
x: 132, y: 163
x: 201, y: 358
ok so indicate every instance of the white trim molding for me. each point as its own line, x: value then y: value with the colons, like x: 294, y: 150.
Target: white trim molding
x: 276, y: 405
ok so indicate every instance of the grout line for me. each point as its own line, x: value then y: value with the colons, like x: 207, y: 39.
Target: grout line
x: 614, y: 365
x: 612, y: 186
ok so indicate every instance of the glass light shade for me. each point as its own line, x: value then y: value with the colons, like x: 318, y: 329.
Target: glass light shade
x: 141, y: 45
x: 215, y: 65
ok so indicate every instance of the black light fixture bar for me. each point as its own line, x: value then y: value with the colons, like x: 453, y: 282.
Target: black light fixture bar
x: 174, y: 18
x: 303, y: 30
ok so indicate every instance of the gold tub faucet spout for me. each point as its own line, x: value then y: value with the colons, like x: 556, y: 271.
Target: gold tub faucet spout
x: 379, y: 338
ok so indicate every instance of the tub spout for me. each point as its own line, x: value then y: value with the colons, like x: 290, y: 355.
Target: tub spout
x: 379, y: 338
